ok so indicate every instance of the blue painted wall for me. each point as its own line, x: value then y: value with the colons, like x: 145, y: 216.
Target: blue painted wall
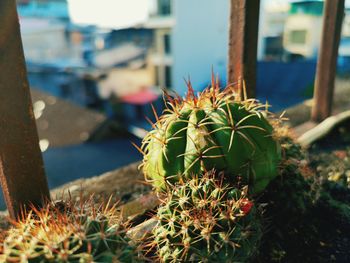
x: 285, y: 84
x: 200, y: 41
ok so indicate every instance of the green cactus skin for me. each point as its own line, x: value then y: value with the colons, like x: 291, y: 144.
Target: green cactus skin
x: 74, y: 235
x: 211, y: 131
x: 204, y: 220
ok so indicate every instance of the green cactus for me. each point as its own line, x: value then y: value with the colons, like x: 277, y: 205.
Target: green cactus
x: 83, y: 234
x: 204, y: 220
x: 211, y: 131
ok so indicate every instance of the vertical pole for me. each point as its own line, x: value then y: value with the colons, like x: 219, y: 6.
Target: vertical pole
x: 243, y: 44
x: 22, y: 174
x: 327, y: 59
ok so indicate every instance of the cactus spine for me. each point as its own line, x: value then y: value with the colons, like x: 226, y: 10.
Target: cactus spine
x: 204, y: 220
x: 84, y: 234
x: 211, y: 131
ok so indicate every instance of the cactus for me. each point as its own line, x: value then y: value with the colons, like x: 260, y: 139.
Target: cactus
x: 83, y: 234
x: 211, y: 131
x: 204, y: 220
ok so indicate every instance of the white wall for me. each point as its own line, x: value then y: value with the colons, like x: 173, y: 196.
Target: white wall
x: 313, y: 26
x: 199, y: 41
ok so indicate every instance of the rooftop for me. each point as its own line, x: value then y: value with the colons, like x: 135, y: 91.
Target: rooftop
x: 62, y: 123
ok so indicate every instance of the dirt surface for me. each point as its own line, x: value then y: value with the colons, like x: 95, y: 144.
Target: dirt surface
x: 307, y: 214
x: 330, y: 156
x: 52, y: 114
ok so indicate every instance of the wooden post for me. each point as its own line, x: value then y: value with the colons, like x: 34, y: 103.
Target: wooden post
x: 243, y: 44
x: 327, y: 59
x: 22, y: 174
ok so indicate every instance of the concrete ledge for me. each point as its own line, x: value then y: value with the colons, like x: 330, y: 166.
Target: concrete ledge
x: 126, y: 183
x: 301, y: 113
x: 323, y: 129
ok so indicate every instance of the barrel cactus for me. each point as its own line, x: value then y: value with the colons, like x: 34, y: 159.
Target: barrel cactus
x: 204, y: 220
x: 211, y: 130
x: 83, y: 234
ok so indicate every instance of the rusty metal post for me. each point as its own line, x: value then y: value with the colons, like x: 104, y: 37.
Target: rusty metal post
x: 22, y: 174
x: 327, y: 59
x: 243, y: 44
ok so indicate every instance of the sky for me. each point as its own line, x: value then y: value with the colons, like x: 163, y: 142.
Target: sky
x: 121, y: 13
x: 109, y: 13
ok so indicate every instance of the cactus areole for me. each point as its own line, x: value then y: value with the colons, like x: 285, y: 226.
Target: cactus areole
x: 212, y: 130
x: 205, y: 220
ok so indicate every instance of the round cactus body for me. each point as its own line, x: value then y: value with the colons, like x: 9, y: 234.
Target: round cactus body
x: 87, y: 234
x: 211, y: 131
x: 205, y: 221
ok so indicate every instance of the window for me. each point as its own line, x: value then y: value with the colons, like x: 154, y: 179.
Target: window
x: 164, y: 7
x: 167, y: 45
x: 297, y: 36
x: 168, y: 76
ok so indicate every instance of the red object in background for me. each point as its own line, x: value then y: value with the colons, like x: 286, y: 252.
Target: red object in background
x: 246, y: 206
x: 143, y: 97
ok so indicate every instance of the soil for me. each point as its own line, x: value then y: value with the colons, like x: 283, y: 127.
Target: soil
x: 330, y: 159
x: 310, y: 220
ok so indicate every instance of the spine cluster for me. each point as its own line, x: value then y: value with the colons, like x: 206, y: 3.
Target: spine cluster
x: 75, y: 233
x: 212, y: 130
x: 209, y: 155
x: 205, y: 220
x: 210, y: 216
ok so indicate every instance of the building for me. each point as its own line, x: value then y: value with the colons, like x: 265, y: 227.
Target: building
x: 272, y: 21
x: 46, y: 42
x: 187, y: 43
x: 49, y: 40
x: 57, y: 9
x: 162, y: 21
x: 73, y: 58
x: 302, y: 34
x: 303, y: 29
x: 191, y: 41
x: 60, y: 122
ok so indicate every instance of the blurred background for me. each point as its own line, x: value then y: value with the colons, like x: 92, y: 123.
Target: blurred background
x: 95, y: 66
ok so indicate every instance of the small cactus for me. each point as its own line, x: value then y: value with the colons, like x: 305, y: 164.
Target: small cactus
x: 213, y: 130
x: 78, y: 233
x: 204, y: 220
